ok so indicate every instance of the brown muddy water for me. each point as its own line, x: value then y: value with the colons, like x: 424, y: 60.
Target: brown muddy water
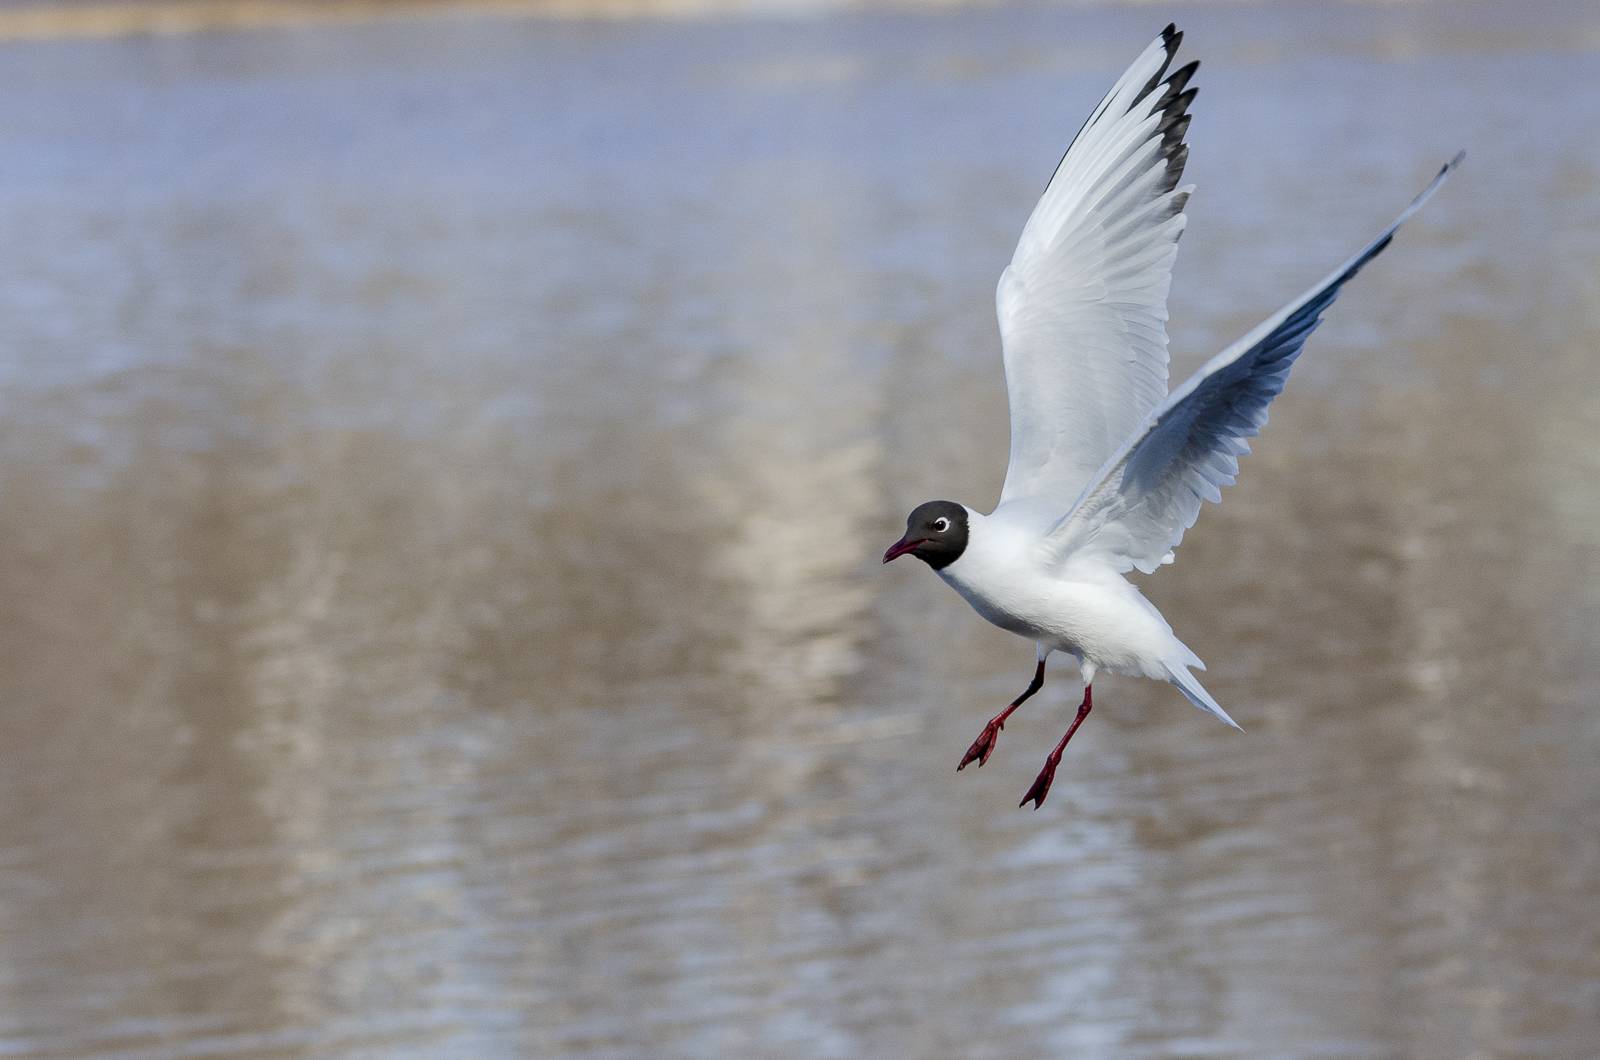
x: 443, y: 470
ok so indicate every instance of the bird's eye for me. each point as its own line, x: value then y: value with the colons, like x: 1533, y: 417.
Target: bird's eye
x: 940, y: 525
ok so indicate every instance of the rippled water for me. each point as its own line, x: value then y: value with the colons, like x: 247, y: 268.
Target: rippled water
x: 443, y: 468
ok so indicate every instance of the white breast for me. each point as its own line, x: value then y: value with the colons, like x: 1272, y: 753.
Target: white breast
x: 1094, y: 614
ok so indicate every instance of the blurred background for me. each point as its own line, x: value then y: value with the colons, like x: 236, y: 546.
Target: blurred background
x: 445, y: 455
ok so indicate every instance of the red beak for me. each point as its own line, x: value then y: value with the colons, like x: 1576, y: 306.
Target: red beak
x: 901, y: 547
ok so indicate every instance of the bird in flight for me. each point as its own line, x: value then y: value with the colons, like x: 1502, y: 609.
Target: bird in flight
x: 1107, y: 469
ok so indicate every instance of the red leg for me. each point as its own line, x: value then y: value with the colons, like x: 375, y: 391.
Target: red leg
x: 1041, y: 786
x: 983, y: 746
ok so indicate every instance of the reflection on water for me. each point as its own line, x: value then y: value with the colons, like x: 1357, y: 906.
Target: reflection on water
x: 443, y: 473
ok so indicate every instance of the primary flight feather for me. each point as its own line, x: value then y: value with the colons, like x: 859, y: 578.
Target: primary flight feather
x: 1107, y: 469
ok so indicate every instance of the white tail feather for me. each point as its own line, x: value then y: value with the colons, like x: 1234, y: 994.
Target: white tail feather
x: 1189, y: 685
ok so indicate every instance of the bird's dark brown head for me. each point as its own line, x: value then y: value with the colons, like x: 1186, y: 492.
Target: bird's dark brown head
x: 936, y: 533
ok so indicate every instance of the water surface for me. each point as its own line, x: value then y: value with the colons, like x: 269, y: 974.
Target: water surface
x: 443, y: 468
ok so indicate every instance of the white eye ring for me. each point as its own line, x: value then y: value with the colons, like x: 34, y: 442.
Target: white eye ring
x: 940, y: 525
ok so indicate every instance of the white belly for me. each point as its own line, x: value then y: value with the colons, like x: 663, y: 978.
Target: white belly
x: 1094, y: 614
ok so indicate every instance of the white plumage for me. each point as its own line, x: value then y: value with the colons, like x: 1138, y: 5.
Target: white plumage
x: 1107, y: 469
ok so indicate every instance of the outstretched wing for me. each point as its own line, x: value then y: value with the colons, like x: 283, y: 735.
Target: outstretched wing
x: 1138, y: 507
x: 1083, y: 304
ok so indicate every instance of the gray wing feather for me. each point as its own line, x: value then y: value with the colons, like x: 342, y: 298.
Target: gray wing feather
x: 1137, y: 508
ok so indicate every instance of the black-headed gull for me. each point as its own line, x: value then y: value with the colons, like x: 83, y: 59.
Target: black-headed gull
x: 1107, y: 469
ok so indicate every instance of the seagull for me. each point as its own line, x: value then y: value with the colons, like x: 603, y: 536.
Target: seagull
x: 1107, y: 469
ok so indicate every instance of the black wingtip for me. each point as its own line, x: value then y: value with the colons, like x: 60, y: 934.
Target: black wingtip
x: 1170, y: 39
x: 1433, y: 186
x: 1444, y: 171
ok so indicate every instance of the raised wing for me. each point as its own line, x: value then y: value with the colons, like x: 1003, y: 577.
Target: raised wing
x: 1083, y: 304
x: 1137, y: 509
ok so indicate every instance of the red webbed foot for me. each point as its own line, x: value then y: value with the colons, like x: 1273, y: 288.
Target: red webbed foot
x: 983, y: 746
x: 1041, y: 786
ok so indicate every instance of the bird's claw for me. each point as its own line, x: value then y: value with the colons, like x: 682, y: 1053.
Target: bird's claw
x: 982, y: 747
x: 1041, y: 785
